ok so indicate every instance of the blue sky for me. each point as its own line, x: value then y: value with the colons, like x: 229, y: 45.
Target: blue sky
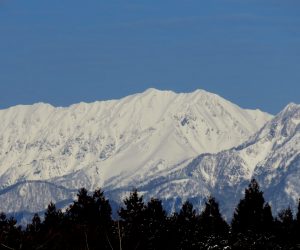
x: 63, y: 51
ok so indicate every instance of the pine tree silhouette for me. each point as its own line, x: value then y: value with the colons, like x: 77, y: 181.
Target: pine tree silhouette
x: 103, y: 228
x: 53, y: 217
x: 82, y: 209
x: 285, y: 226
x: 33, y: 234
x: 298, y: 213
x: 211, y: 220
x: 187, y: 226
x: 89, y: 219
x: 297, y: 225
x: 155, y: 225
x: 36, y: 224
x: 133, y: 221
x: 251, y: 214
x: 10, y: 234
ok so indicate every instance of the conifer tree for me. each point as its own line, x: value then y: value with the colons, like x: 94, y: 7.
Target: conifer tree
x: 268, y: 220
x: 53, y: 217
x: 82, y: 208
x: 297, y: 224
x: 33, y: 234
x: 251, y: 214
x: 211, y: 220
x: 285, y: 225
x: 103, y: 227
x: 187, y: 222
x: 155, y: 225
x: 133, y: 222
x: 35, y: 226
x: 52, y: 228
x: 102, y: 209
x: 298, y: 213
x: 10, y: 233
x: 89, y: 218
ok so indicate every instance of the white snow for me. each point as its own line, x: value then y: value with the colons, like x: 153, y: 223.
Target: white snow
x: 119, y: 143
x: 120, y: 137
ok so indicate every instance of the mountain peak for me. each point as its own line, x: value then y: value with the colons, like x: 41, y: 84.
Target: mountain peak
x: 292, y: 110
x: 153, y: 90
x: 159, y: 91
x: 291, y: 106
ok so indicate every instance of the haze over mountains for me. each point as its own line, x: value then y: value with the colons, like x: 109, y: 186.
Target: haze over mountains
x: 171, y: 146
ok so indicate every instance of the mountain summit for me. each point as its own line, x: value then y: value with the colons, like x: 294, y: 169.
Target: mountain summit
x: 113, y: 144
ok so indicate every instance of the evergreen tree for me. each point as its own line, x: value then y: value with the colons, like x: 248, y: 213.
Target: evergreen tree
x: 103, y: 227
x: 251, y: 214
x: 211, y: 220
x: 52, y: 229
x: 79, y: 219
x: 298, y: 213
x: 285, y: 226
x: 268, y: 220
x: 33, y: 234
x: 297, y: 225
x: 133, y: 223
x: 187, y: 226
x: 102, y: 209
x: 10, y: 234
x: 35, y: 226
x: 81, y: 210
x: 155, y: 225
x: 89, y: 218
x: 53, y: 217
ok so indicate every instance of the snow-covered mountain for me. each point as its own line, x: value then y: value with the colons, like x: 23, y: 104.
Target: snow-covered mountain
x: 272, y: 156
x: 146, y: 140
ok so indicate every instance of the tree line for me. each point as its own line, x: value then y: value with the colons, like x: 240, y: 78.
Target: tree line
x: 88, y: 224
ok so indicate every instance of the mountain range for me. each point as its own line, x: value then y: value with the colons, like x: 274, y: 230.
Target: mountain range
x: 167, y: 145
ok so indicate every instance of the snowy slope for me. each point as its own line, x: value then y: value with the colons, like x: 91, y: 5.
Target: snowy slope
x: 272, y: 156
x: 115, y: 144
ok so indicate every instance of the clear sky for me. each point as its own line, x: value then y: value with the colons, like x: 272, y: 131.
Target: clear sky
x: 64, y: 51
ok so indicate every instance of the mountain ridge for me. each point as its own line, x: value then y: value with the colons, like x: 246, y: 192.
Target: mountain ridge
x: 114, y: 143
